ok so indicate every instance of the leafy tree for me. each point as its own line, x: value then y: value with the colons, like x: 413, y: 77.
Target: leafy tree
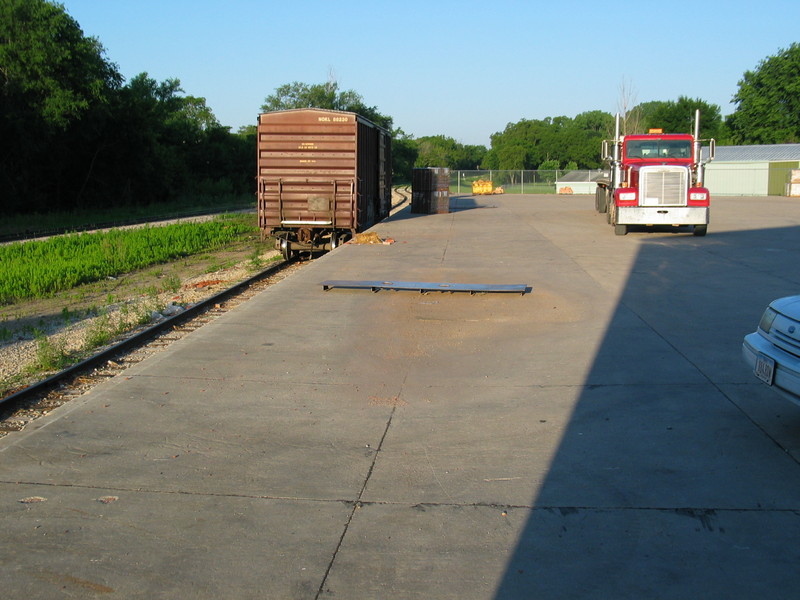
x: 434, y: 151
x: 174, y: 145
x: 582, y: 138
x: 724, y: 136
x: 221, y: 163
x: 549, y: 168
x: 55, y: 87
x: 470, y: 157
x: 323, y: 95
x: 302, y: 95
x: 194, y: 110
x: 678, y: 116
x: 74, y: 136
x: 594, y: 121
x: 518, y: 146
x: 48, y: 66
x: 404, y: 155
x: 644, y: 112
x: 491, y: 161
x: 528, y: 143
x: 768, y: 101
x: 443, y: 151
x: 513, y: 157
x: 149, y: 167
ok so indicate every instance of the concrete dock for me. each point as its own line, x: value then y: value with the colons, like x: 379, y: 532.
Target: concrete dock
x: 598, y: 436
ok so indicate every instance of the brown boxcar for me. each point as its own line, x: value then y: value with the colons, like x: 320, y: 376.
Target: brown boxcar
x: 323, y: 175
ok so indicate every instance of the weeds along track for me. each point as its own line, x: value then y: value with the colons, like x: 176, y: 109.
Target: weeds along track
x: 23, y: 406
x: 26, y: 405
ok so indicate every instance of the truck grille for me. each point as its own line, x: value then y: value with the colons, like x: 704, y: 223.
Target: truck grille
x: 663, y: 185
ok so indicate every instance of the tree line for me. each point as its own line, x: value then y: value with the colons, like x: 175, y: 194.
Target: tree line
x: 767, y: 112
x: 76, y: 135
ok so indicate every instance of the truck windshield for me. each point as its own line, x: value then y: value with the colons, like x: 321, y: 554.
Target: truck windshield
x: 658, y: 149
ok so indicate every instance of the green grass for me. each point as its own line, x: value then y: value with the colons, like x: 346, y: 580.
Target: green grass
x: 530, y: 188
x: 77, y: 220
x: 42, y: 269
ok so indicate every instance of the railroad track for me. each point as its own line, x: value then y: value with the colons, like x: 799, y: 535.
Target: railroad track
x: 25, y: 405
x: 400, y: 197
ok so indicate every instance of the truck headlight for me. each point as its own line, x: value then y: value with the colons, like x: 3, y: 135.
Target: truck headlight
x: 698, y: 196
x: 627, y: 196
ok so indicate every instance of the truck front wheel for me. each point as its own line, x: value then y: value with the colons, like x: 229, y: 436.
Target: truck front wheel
x: 700, y: 230
x: 620, y: 229
x: 601, y: 199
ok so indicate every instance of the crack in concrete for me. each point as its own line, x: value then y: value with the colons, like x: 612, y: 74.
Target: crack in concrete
x: 356, y: 504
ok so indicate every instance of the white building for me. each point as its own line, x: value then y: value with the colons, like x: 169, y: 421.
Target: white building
x: 766, y: 170
x: 578, y: 182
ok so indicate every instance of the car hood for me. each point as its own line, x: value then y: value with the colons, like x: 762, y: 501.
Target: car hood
x: 789, y: 306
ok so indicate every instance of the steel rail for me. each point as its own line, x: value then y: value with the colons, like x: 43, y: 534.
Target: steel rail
x: 138, y: 339
x: 45, y: 385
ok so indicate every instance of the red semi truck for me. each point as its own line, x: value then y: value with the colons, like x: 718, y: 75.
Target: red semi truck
x: 655, y: 179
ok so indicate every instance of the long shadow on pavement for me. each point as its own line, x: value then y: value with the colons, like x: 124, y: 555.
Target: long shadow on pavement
x: 671, y: 480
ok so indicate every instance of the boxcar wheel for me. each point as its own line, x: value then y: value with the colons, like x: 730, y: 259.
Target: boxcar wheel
x: 335, y: 240
x: 286, y: 251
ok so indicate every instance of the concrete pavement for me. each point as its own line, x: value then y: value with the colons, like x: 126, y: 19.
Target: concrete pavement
x: 598, y: 437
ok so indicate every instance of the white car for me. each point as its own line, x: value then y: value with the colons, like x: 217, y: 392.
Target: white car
x: 773, y: 350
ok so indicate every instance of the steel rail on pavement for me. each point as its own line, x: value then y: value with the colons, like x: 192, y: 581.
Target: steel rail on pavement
x: 425, y: 286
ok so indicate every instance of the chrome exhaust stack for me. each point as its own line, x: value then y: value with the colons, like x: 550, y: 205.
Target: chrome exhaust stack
x: 700, y: 167
x: 616, y: 162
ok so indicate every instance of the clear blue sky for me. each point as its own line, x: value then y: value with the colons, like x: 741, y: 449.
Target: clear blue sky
x: 463, y: 69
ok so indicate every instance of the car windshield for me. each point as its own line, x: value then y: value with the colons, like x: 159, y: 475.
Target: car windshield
x: 658, y: 149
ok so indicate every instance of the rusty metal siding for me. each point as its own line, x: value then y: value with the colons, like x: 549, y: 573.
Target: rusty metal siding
x: 430, y: 190
x: 321, y: 169
x: 367, y: 183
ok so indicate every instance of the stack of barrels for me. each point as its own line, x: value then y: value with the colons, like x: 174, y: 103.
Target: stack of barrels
x: 430, y: 190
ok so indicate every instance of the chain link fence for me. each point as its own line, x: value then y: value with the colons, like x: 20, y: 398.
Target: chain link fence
x: 524, y: 182
x: 765, y: 179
